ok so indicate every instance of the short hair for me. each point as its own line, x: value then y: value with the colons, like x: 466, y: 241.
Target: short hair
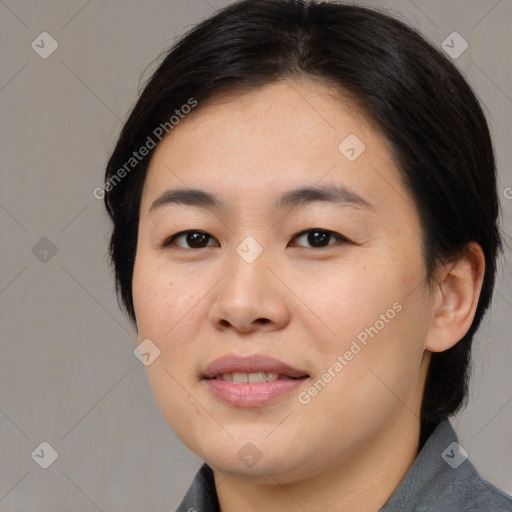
x: 422, y: 104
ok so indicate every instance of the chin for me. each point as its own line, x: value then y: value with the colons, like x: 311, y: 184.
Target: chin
x: 267, y: 470
x: 254, y: 460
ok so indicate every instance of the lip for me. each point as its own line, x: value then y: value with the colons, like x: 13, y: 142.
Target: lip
x: 250, y: 364
x: 251, y: 395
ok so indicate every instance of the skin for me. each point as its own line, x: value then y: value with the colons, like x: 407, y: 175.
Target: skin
x: 351, y: 445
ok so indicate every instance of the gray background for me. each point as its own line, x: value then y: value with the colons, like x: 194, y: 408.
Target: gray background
x: 68, y: 375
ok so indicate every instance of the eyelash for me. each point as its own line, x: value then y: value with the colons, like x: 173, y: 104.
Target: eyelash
x: 170, y: 240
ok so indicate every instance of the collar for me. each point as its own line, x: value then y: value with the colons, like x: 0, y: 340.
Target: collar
x: 441, y: 479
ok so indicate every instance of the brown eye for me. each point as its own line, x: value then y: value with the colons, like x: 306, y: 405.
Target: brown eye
x: 192, y: 240
x: 320, y: 238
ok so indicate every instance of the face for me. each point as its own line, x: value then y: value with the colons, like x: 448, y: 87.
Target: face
x: 253, y: 280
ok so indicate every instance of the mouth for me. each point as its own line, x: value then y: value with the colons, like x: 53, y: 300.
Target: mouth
x: 251, y: 381
x: 255, y: 377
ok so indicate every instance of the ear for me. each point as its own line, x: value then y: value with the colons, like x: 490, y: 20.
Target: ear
x: 456, y: 295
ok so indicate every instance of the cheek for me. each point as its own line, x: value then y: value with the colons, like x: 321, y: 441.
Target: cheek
x: 167, y: 307
x: 149, y: 300
x: 350, y: 300
x: 372, y: 379
x: 161, y: 304
x: 154, y: 297
x: 384, y: 356
x: 375, y: 323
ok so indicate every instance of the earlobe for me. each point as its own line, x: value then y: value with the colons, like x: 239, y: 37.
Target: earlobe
x: 457, y: 293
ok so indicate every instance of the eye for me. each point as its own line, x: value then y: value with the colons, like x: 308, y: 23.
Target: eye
x: 319, y: 238
x: 195, y: 239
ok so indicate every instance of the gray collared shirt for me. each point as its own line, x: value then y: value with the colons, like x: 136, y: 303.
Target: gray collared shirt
x: 441, y: 479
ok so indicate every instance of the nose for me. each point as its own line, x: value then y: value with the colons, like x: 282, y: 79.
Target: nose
x: 250, y: 298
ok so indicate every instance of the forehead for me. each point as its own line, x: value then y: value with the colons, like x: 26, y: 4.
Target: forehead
x: 244, y: 146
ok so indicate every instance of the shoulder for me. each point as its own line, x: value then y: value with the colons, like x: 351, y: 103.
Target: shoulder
x: 443, y: 479
x: 465, y: 490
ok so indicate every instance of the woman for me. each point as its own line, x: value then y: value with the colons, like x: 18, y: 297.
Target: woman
x: 306, y: 247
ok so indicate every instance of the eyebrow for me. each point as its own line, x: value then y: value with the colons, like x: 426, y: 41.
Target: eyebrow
x: 337, y: 194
